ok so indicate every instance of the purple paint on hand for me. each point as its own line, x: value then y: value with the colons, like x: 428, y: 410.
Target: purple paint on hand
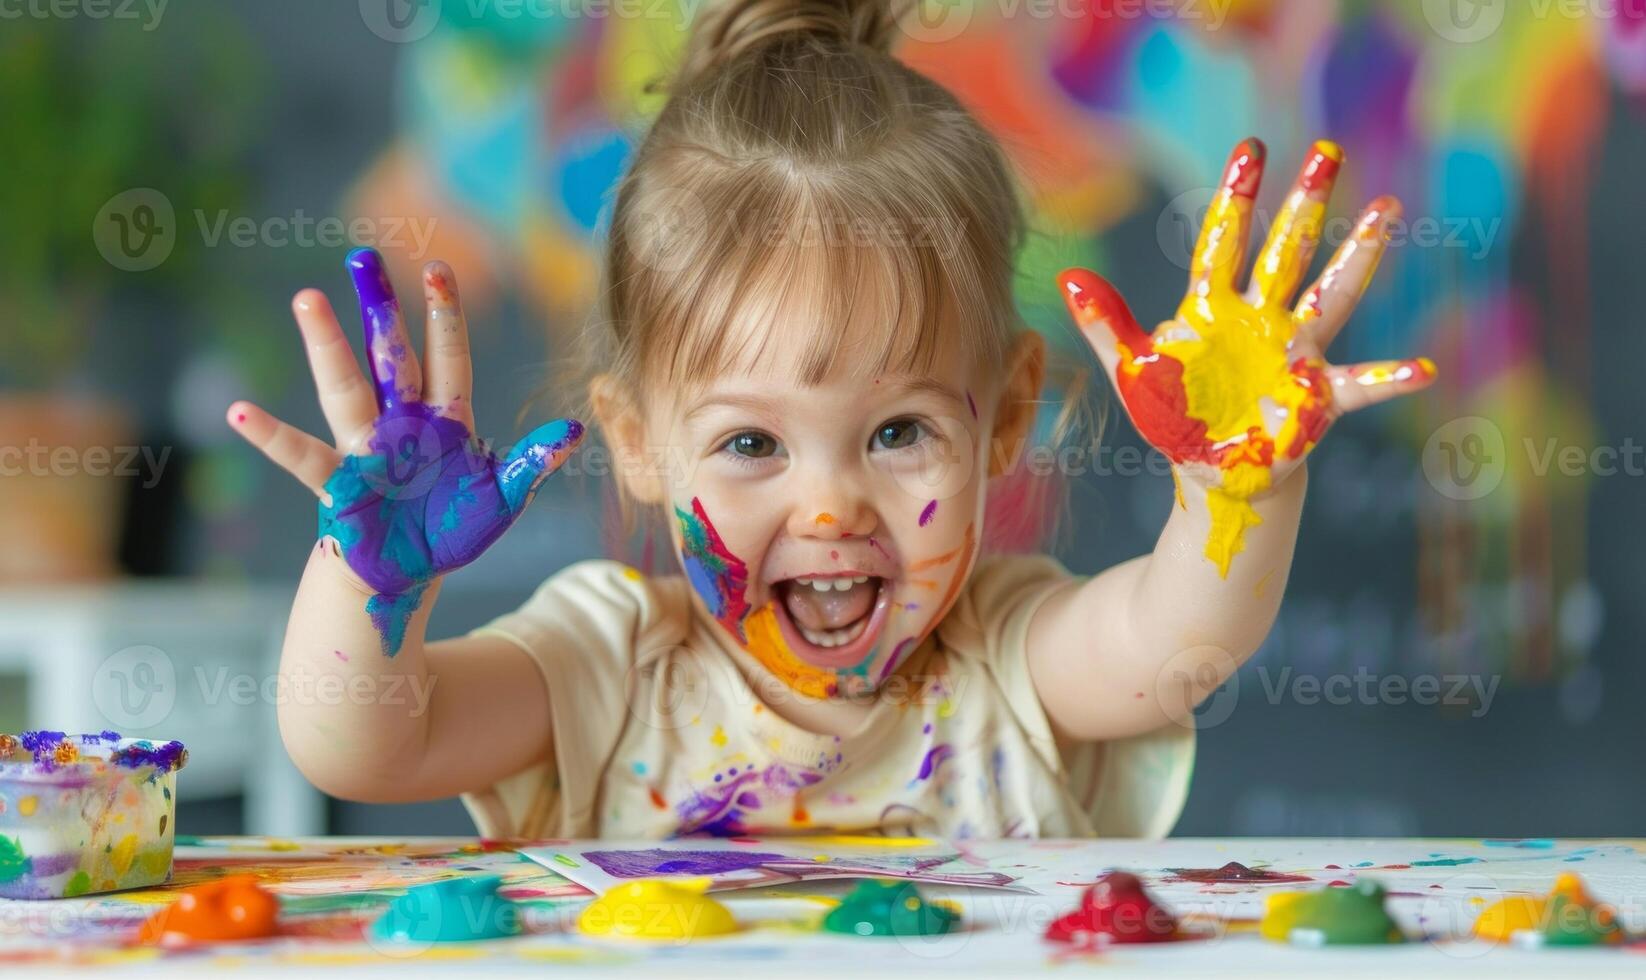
x: 426, y: 497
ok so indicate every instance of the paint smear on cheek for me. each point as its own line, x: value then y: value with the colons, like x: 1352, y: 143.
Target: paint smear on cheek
x: 717, y: 575
x: 928, y: 513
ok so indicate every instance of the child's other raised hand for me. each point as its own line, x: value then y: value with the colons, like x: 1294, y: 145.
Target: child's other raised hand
x: 1236, y: 389
x: 406, y: 490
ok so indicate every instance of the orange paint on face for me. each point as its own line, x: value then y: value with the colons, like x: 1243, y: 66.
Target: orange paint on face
x: 231, y: 909
x: 766, y: 644
x: 657, y: 799
x: 824, y: 518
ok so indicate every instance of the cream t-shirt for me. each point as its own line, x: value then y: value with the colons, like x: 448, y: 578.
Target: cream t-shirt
x: 657, y: 734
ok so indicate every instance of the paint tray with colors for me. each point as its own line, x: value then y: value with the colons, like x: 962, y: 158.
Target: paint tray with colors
x: 81, y: 814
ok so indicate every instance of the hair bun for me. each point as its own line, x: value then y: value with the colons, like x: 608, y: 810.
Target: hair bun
x: 725, y: 29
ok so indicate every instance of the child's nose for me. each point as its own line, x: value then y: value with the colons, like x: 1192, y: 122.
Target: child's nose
x: 832, y: 516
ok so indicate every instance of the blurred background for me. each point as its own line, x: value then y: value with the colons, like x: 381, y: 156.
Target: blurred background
x: 1456, y: 654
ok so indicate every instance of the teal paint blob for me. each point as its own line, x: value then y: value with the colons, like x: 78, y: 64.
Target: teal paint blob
x: 460, y: 910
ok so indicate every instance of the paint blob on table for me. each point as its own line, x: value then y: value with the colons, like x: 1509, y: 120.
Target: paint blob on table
x: 657, y: 910
x: 232, y: 909
x: 1332, y: 916
x: 1116, y: 909
x: 454, y: 911
x: 1234, y: 873
x: 1567, y: 916
x: 81, y: 814
x: 878, y: 907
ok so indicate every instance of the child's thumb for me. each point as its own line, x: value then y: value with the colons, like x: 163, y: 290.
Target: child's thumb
x: 536, y: 456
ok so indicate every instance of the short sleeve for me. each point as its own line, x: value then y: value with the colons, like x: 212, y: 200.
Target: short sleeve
x: 585, y: 628
x: 1130, y: 787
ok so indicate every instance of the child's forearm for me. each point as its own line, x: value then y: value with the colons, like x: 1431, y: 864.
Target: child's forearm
x: 351, y: 715
x: 1146, y: 641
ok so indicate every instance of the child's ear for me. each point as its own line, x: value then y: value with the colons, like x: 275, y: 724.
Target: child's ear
x: 624, y: 427
x: 1014, y: 413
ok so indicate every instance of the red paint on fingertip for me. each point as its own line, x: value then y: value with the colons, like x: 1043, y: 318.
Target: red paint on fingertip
x: 1244, y: 173
x: 1320, y: 170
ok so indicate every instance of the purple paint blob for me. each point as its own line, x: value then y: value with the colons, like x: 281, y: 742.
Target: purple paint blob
x: 656, y: 861
x: 934, y: 758
x: 927, y: 514
x: 896, y: 657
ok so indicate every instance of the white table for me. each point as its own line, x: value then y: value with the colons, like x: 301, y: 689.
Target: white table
x: 331, y: 888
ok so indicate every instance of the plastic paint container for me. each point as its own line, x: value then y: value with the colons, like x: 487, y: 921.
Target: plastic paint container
x: 81, y: 814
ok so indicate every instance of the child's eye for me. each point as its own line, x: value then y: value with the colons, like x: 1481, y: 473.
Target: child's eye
x: 899, y: 434
x: 751, y: 445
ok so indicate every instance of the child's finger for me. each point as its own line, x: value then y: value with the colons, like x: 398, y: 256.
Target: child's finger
x: 1296, y: 232
x: 345, y: 398
x: 291, y: 449
x: 1102, y: 315
x: 1222, y: 249
x: 1356, y: 386
x: 535, y: 457
x: 449, y: 384
x: 394, y: 369
x: 1325, y: 307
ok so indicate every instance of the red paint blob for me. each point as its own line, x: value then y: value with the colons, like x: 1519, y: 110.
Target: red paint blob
x: 1115, y: 909
x: 235, y: 908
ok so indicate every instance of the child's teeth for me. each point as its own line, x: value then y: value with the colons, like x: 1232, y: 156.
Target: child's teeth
x: 860, y: 580
x: 834, y: 638
x: 842, y: 584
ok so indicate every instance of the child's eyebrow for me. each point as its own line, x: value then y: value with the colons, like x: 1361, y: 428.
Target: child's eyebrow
x: 932, y: 385
x: 753, y: 403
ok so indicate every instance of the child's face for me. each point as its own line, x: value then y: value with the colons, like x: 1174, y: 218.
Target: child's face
x: 827, y: 529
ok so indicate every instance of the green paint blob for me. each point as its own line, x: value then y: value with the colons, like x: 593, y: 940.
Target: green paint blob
x: 78, y: 885
x: 1568, y: 922
x: 880, y: 907
x: 1331, y: 916
x: 459, y: 910
x: 14, y: 864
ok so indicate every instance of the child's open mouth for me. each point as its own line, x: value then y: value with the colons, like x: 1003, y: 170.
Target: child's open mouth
x: 831, y: 621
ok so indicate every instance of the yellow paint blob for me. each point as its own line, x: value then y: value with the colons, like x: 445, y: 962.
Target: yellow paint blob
x: 719, y: 737
x: 27, y: 805
x: 658, y: 910
x: 1502, y: 919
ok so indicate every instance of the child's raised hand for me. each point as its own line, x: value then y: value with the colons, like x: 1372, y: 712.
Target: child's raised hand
x: 1236, y: 389
x: 407, y: 492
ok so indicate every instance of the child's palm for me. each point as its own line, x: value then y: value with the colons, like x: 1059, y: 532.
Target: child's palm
x: 1236, y: 389
x: 407, y: 492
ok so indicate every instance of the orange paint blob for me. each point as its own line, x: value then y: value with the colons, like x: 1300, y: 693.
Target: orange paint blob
x: 235, y: 908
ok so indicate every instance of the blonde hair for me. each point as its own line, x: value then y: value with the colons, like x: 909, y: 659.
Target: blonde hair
x: 789, y: 121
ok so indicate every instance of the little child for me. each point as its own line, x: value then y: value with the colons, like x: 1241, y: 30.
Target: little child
x: 813, y: 370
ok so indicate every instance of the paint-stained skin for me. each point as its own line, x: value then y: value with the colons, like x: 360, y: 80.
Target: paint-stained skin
x: 425, y: 497
x: 1236, y: 389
